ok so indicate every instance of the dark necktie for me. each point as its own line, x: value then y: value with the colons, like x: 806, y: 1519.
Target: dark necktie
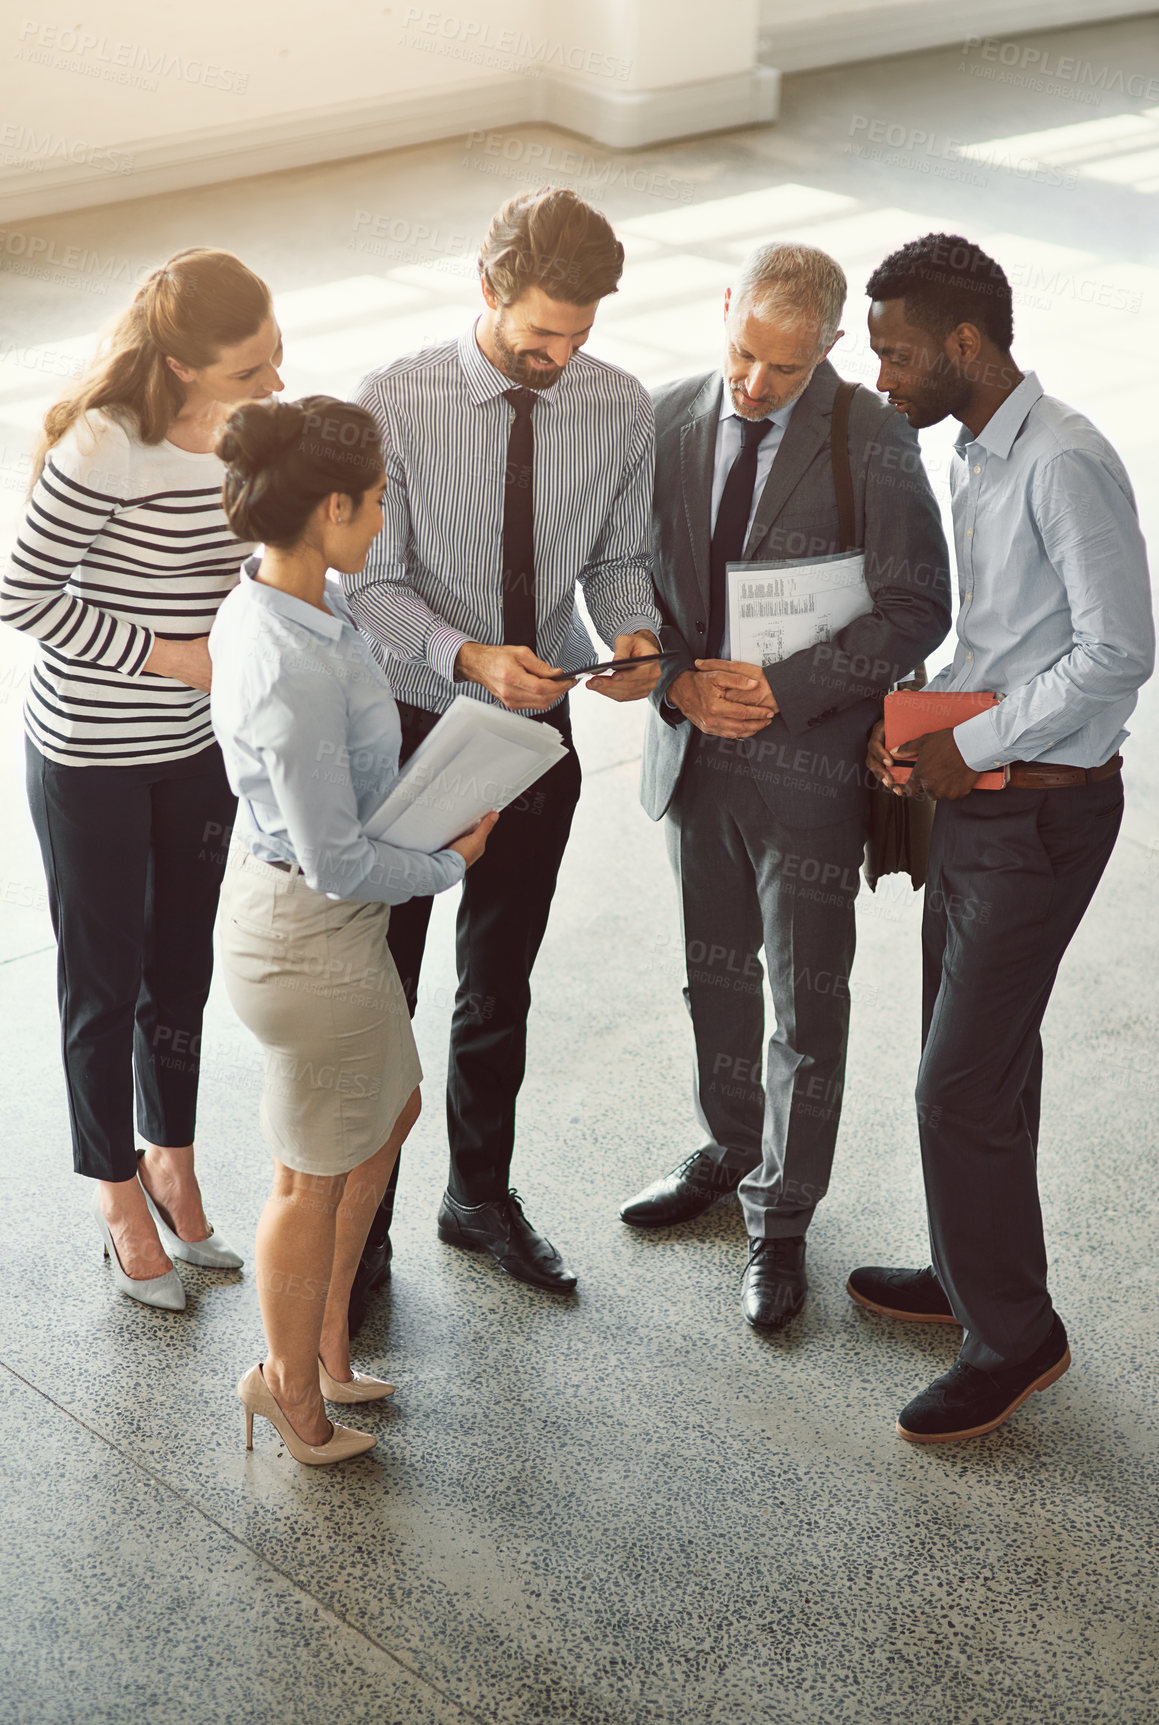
x: 518, y: 533
x: 732, y: 519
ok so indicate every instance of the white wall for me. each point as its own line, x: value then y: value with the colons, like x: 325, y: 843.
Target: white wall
x: 797, y: 35
x: 132, y: 97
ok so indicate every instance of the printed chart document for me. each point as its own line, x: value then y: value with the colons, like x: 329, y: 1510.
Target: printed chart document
x: 477, y: 758
x: 775, y: 609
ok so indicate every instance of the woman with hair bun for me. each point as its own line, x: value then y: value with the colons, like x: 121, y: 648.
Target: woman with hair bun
x: 310, y: 734
x: 121, y: 565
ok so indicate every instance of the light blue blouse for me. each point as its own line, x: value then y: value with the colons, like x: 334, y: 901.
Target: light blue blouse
x: 310, y: 734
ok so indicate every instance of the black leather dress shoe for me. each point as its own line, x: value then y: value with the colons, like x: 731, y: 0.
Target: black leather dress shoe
x: 773, y: 1287
x: 373, y: 1272
x: 967, y: 1401
x: 689, y: 1190
x: 502, y: 1229
x: 914, y: 1296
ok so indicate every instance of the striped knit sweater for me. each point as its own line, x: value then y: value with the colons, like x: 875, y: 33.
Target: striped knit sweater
x: 123, y: 542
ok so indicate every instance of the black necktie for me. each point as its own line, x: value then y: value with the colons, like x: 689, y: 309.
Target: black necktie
x: 732, y: 519
x: 518, y: 534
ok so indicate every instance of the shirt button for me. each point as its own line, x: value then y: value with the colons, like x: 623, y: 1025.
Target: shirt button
x: 969, y: 533
x: 977, y: 469
x: 969, y: 655
x: 969, y: 595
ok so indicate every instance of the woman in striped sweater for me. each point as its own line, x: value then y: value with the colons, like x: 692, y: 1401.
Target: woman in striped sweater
x: 119, y: 570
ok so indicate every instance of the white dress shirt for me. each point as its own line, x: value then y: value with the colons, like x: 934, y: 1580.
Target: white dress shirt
x: 728, y: 441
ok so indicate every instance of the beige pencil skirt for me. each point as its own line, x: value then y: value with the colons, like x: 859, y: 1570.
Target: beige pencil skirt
x: 313, y: 979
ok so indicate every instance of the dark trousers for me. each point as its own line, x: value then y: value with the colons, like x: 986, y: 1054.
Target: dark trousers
x: 747, y: 883
x: 503, y: 912
x: 134, y: 858
x: 1010, y: 876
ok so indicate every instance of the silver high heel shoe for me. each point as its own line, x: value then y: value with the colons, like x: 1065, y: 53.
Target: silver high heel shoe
x: 359, y: 1389
x: 210, y: 1254
x: 167, y: 1292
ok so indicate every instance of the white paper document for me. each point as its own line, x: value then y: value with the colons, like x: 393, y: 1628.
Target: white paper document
x: 477, y: 758
x: 775, y: 609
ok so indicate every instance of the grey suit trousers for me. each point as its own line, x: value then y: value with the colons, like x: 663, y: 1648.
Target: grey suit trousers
x: 746, y: 881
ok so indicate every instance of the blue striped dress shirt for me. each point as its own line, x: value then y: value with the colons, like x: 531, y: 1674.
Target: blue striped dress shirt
x: 433, y: 579
x: 1054, y: 595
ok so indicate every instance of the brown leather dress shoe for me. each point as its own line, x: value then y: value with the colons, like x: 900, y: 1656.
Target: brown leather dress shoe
x: 914, y: 1296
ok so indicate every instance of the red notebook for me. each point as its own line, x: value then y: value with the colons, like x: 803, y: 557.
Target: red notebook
x: 910, y: 713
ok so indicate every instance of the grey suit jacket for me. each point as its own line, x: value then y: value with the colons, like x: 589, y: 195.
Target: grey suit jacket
x: 810, y: 761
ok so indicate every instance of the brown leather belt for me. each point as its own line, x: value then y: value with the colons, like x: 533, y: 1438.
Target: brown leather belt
x: 1041, y: 776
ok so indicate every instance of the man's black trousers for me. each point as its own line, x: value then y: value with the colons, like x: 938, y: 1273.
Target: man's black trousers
x: 1010, y: 875
x: 503, y: 911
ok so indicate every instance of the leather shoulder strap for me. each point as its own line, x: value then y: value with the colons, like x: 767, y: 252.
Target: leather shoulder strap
x: 843, y: 485
x: 842, y: 476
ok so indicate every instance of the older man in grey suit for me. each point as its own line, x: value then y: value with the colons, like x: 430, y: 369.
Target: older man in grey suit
x: 760, y: 769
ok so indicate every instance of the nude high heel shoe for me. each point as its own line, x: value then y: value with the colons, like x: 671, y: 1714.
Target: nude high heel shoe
x: 210, y: 1254
x: 256, y: 1397
x: 166, y: 1292
x: 360, y: 1389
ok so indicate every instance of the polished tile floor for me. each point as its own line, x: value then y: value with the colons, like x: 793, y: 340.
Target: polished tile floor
x: 626, y: 1508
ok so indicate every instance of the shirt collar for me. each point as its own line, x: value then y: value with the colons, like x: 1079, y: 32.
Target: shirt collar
x: 485, y: 381
x: 998, y: 434
x: 727, y: 410
x: 285, y: 604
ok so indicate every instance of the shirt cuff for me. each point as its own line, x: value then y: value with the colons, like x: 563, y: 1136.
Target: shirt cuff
x: 978, y: 744
x: 141, y: 642
x: 633, y: 625
x: 442, y: 649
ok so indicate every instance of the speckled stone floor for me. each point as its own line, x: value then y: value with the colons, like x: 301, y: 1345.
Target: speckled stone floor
x: 623, y: 1508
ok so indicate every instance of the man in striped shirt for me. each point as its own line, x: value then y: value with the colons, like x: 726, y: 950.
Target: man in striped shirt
x: 517, y: 466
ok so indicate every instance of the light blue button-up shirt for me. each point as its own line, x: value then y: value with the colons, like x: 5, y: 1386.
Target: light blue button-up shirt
x: 310, y: 734
x: 1054, y: 594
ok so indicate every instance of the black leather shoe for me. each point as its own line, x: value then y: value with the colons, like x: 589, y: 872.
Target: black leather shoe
x: 688, y: 1191
x: 373, y: 1272
x: 914, y: 1296
x: 502, y: 1229
x: 773, y: 1287
x: 966, y: 1401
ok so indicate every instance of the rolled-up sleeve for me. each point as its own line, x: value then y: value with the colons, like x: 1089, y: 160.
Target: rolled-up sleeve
x: 617, y: 577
